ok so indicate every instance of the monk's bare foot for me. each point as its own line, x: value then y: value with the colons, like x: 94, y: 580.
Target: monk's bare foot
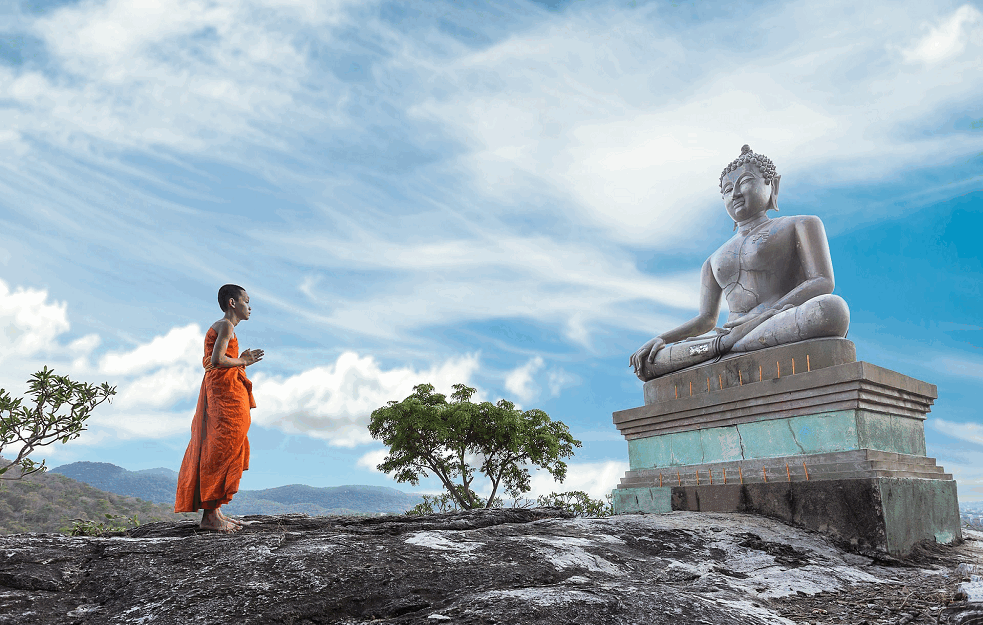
x: 212, y: 520
x: 229, y: 519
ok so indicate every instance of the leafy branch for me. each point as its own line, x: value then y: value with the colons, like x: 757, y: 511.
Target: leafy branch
x: 57, y: 412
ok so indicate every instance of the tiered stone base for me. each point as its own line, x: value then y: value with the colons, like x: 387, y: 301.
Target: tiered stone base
x: 837, y: 446
x: 867, y: 514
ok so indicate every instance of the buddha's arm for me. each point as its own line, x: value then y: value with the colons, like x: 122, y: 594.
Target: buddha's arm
x: 710, y: 294
x: 813, y: 252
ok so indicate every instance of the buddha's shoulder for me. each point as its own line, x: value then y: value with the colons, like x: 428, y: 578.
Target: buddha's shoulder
x: 796, y: 220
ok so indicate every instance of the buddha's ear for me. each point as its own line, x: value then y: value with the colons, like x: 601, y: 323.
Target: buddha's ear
x: 773, y: 204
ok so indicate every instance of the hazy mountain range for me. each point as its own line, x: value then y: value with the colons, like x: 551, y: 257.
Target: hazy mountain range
x: 158, y: 485
x: 48, y: 502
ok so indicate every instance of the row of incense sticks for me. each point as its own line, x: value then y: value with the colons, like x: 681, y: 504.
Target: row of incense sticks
x: 740, y: 472
x: 740, y: 376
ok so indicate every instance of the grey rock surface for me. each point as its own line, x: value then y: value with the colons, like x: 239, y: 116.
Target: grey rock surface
x: 496, y: 566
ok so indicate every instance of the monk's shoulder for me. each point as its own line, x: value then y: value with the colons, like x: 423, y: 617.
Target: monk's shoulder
x: 221, y: 326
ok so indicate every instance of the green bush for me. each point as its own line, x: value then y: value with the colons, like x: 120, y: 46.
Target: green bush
x: 113, y: 523
x: 577, y: 502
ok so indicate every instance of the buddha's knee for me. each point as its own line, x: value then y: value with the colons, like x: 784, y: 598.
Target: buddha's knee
x: 824, y: 315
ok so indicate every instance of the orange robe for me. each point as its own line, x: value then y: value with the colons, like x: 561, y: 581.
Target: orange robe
x: 219, y: 451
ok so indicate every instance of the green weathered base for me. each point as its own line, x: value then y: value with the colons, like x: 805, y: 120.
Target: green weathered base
x: 888, y: 515
x: 649, y: 500
x: 823, y: 432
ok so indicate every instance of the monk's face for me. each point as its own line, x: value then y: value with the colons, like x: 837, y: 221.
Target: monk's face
x: 745, y: 192
x: 242, y: 308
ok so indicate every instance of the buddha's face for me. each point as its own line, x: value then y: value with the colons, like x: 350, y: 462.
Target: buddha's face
x: 745, y: 192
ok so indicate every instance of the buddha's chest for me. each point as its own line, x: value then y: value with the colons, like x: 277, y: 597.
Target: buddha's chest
x: 760, y: 260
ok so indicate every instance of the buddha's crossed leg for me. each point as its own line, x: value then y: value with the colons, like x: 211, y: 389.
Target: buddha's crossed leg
x: 821, y: 316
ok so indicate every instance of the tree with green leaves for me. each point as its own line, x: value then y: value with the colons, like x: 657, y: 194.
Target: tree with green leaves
x: 456, y: 440
x: 57, y: 412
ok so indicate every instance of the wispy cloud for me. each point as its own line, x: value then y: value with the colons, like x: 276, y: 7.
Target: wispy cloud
x: 960, y: 366
x: 520, y: 380
x: 525, y: 162
x: 949, y: 38
x: 969, y: 432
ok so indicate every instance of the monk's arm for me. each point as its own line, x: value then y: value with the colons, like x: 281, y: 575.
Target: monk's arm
x: 817, y: 266
x: 219, y: 359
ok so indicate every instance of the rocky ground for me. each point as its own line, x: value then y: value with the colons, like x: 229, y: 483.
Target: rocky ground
x: 495, y: 567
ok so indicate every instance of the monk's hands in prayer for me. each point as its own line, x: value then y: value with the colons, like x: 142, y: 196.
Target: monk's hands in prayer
x: 251, y: 356
x: 646, y: 353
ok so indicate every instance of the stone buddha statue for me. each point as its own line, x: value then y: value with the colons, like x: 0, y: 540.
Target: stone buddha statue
x: 776, y: 274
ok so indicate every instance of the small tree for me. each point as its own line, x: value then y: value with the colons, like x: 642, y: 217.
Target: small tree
x: 41, y: 424
x: 426, y: 435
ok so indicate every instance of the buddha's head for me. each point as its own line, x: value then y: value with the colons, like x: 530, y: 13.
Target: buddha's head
x: 749, y: 185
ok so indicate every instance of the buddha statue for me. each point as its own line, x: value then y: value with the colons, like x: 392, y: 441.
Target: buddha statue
x: 776, y: 274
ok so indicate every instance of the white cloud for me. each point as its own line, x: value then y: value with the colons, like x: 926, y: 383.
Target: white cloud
x: 964, y: 462
x: 160, y: 389
x: 597, y: 479
x: 83, y: 346
x: 335, y: 402
x: 949, y: 38
x: 520, y: 382
x: 558, y: 379
x: 963, y: 367
x: 370, y: 460
x: 969, y: 432
x: 496, y: 276
x: 179, y: 345
x: 116, y: 424
x: 29, y: 325
x: 182, y: 74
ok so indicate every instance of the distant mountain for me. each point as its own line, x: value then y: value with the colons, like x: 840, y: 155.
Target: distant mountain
x: 47, y: 502
x: 159, y: 484
x: 329, y: 500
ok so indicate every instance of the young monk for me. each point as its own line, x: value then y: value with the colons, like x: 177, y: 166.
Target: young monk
x: 219, y: 451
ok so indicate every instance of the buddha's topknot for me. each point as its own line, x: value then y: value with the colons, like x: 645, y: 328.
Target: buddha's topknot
x: 747, y: 156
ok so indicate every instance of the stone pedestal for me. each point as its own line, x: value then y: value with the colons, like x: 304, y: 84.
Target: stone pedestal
x: 801, y: 432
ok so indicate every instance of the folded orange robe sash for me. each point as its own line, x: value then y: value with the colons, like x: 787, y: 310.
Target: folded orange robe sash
x: 219, y: 450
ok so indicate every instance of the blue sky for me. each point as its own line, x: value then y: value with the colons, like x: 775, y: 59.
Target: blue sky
x: 514, y: 195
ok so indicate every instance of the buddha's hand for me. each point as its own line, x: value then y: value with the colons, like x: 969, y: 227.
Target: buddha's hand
x: 748, y: 323
x: 646, y: 353
x: 251, y: 356
x: 756, y: 318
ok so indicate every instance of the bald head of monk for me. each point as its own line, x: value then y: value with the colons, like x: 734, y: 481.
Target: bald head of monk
x: 234, y: 302
x: 228, y: 295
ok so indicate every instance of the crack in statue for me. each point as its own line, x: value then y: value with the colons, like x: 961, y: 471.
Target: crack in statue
x: 776, y: 274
